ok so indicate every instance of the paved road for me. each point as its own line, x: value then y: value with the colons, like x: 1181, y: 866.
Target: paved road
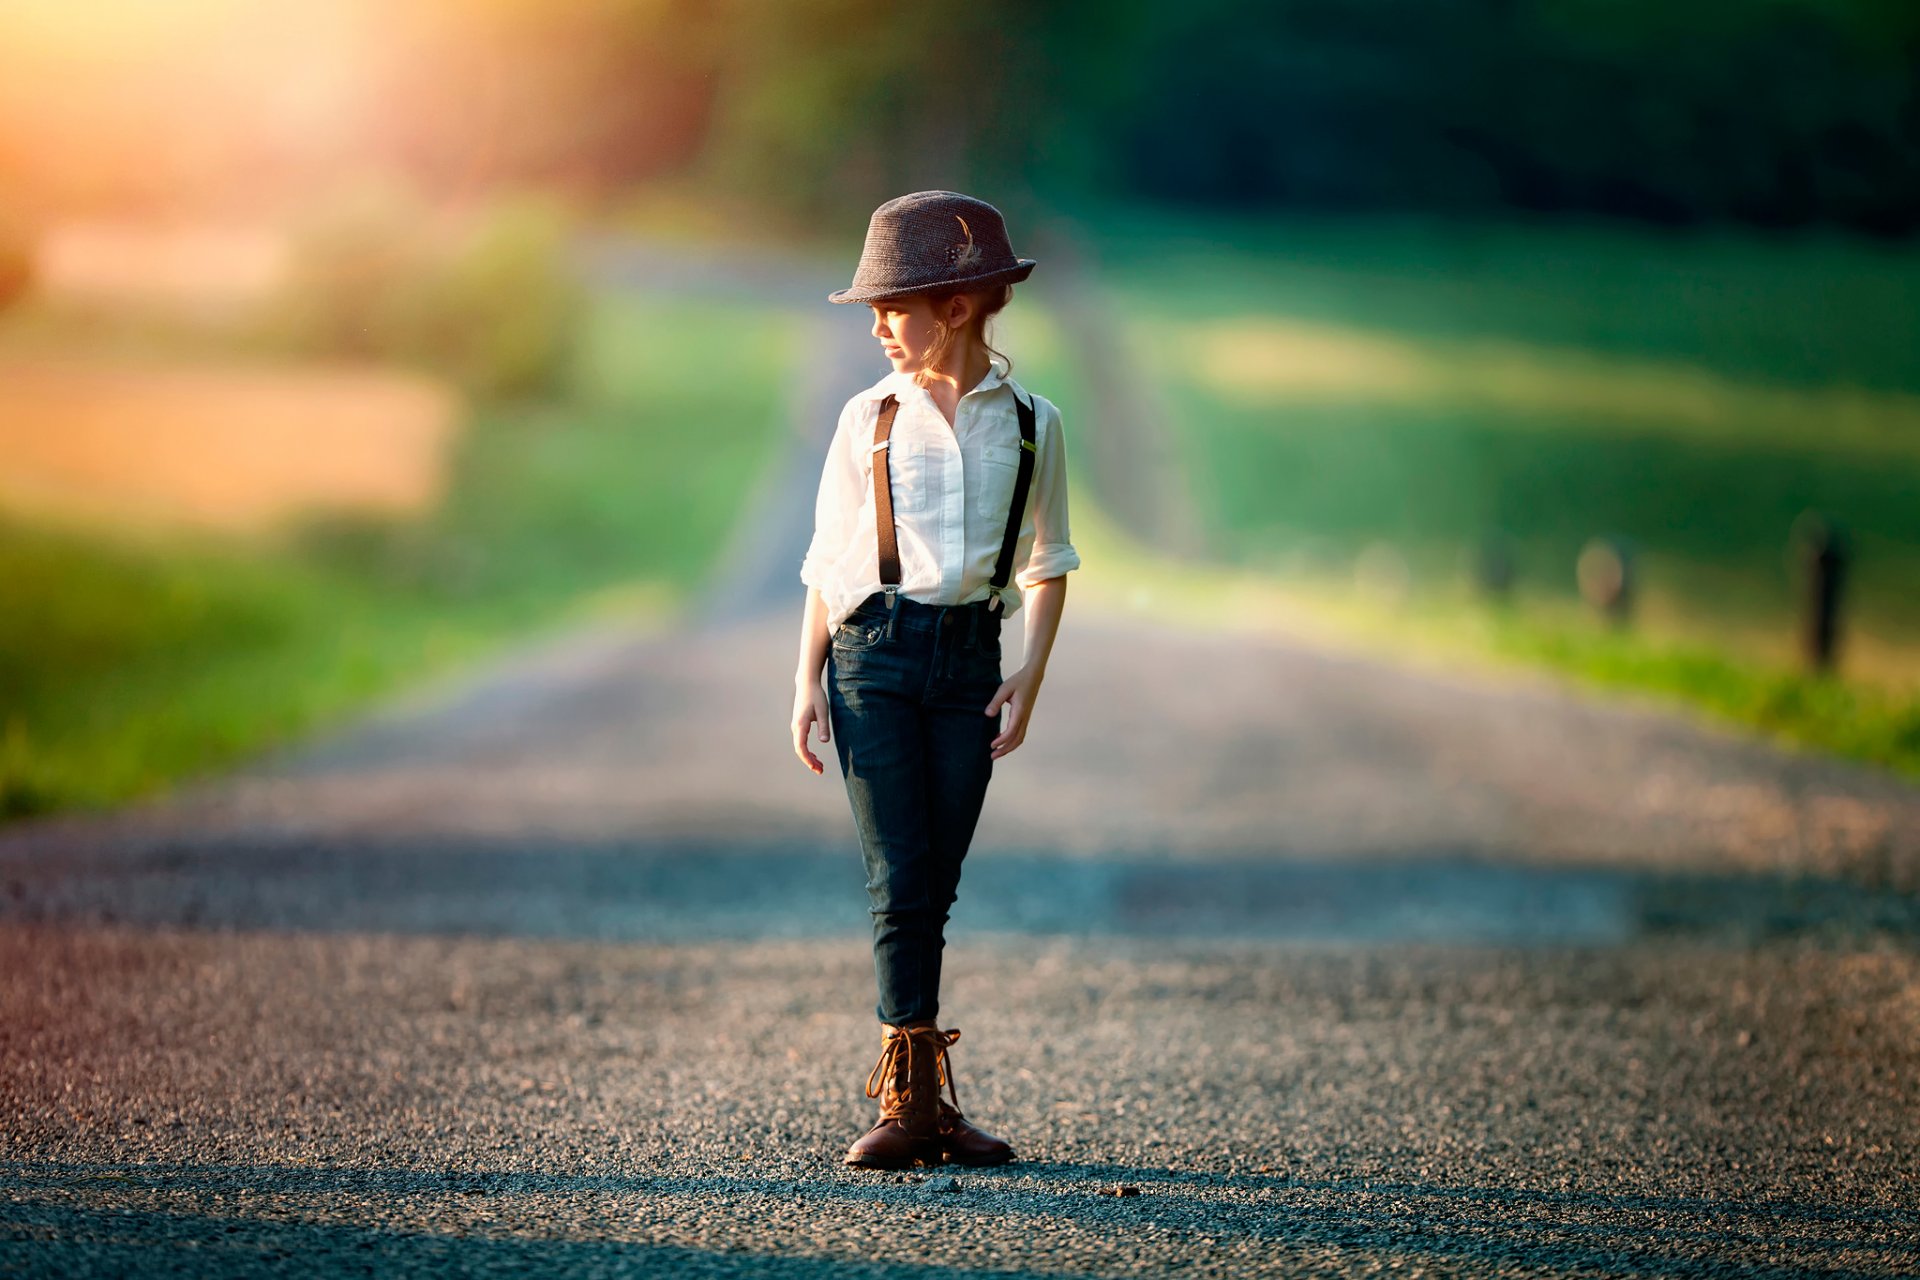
x: 1342, y: 968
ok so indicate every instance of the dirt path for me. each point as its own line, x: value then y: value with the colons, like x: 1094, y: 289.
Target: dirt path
x: 1343, y: 967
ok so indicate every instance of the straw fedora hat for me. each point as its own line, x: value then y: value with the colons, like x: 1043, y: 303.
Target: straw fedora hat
x: 933, y: 240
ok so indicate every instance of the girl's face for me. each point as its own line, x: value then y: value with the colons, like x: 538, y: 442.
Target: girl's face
x: 907, y: 329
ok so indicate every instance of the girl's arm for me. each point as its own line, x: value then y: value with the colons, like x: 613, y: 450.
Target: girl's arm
x: 1043, y: 583
x: 1044, y: 601
x: 809, y: 697
x: 835, y: 507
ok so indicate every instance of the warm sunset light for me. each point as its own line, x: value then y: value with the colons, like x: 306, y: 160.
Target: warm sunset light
x: 239, y: 103
x: 169, y: 103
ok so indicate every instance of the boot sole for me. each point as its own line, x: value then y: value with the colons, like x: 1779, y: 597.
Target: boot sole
x: 919, y: 1157
x: 892, y: 1164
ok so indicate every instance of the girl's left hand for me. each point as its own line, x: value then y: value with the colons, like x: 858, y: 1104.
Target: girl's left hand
x: 1017, y: 693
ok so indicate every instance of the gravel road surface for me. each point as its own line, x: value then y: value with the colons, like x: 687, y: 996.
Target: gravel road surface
x: 1269, y: 959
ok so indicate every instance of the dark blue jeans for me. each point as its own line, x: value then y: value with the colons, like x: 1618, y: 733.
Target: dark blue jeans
x: 907, y: 695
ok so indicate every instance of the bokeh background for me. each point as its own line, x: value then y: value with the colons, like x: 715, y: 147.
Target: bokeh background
x: 343, y: 341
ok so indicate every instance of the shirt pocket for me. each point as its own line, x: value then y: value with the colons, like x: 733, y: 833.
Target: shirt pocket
x: 993, y: 487
x: 908, y: 473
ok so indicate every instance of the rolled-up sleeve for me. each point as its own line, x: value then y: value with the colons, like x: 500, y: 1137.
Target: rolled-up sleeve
x: 1053, y: 553
x: 836, y: 504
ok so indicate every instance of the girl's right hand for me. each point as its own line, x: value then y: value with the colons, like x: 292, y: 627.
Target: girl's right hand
x: 809, y: 709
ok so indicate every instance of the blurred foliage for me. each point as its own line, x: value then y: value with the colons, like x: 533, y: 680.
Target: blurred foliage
x: 489, y: 302
x: 1776, y: 112
x: 150, y: 659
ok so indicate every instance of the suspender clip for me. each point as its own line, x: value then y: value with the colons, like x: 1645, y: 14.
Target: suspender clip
x: 892, y: 589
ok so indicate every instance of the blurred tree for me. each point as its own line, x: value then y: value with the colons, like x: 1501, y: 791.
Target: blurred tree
x: 1779, y: 112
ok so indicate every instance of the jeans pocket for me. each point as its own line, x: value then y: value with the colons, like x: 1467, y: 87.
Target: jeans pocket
x: 857, y: 634
x: 864, y: 627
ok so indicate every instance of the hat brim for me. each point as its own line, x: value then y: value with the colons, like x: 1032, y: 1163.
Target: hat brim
x: 1020, y: 270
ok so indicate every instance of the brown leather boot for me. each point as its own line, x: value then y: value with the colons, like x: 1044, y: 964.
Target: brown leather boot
x: 907, y: 1082
x: 961, y: 1142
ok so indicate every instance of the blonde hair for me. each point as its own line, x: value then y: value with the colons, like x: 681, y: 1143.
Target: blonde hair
x: 990, y: 303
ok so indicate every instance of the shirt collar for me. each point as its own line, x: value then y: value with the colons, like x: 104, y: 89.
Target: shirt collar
x: 899, y: 383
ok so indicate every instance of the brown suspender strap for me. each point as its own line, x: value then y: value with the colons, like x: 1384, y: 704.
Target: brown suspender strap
x: 1004, y: 565
x: 883, y: 497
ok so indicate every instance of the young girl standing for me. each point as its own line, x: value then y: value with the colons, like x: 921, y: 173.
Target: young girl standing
x: 942, y: 503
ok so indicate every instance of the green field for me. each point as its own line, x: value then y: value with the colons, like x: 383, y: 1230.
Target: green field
x: 1340, y: 388
x: 127, y: 663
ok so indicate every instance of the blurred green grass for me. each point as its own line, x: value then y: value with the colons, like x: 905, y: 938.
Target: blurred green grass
x: 129, y: 662
x: 1710, y: 518
x: 1811, y: 309
x: 1790, y: 375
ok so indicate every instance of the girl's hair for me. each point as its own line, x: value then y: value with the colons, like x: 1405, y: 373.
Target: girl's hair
x: 990, y: 303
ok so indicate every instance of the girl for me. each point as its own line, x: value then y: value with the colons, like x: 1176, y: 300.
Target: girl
x: 942, y: 478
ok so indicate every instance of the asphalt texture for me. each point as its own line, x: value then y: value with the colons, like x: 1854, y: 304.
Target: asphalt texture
x: 1269, y: 960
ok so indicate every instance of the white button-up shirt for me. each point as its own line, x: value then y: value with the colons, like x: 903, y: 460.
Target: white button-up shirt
x: 952, y: 487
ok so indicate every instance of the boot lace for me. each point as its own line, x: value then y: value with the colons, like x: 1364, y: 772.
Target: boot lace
x: 896, y: 1060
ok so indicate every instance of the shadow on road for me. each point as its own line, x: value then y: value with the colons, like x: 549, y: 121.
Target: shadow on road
x: 1495, y: 1227
x: 685, y: 890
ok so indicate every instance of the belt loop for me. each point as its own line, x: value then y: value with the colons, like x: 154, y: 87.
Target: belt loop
x: 973, y: 628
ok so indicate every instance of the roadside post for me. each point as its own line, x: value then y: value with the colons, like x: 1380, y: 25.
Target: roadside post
x: 1821, y: 548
